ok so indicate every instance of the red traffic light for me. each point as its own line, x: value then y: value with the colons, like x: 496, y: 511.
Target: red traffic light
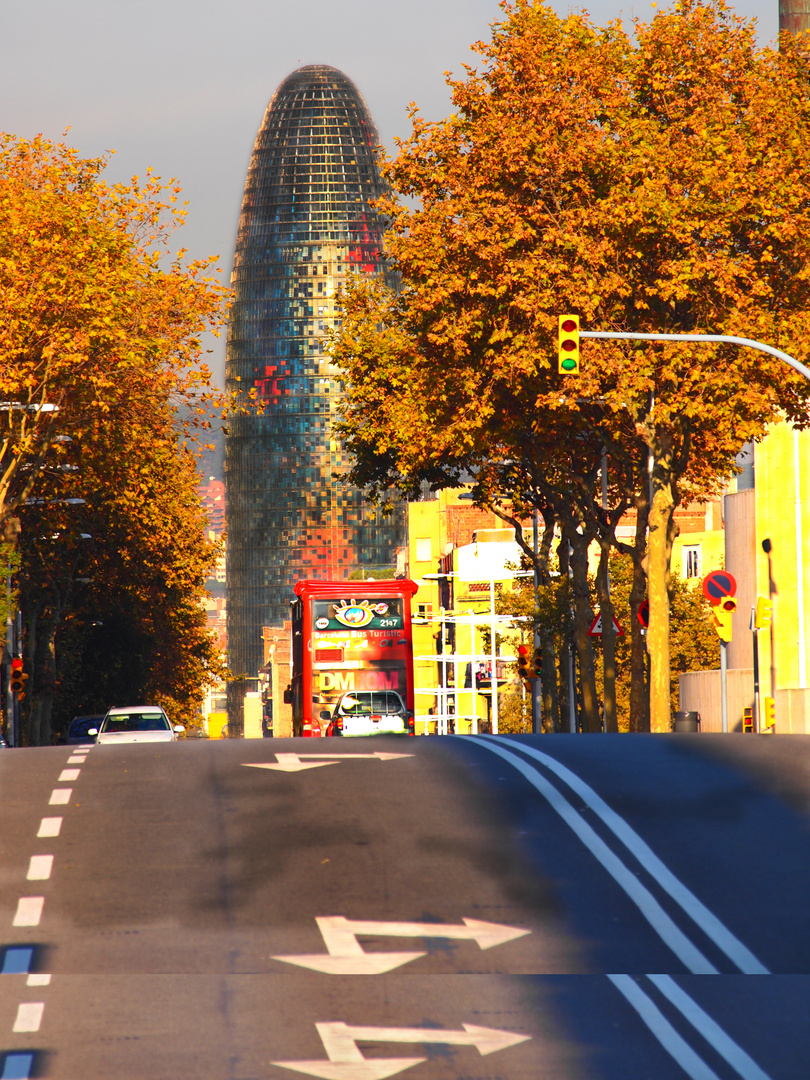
x: 16, y: 664
x: 522, y: 650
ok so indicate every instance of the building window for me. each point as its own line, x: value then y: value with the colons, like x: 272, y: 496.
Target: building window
x: 691, y: 561
x: 423, y: 551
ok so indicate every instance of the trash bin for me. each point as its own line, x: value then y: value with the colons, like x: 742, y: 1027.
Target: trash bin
x: 686, y: 721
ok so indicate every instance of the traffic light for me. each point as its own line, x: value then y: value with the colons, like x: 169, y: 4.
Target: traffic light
x: 538, y: 662
x: 764, y: 613
x: 722, y: 617
x: 568, y: 345
x: 524, y: 666
x: 523, y: 662
x: 18, y: 677
x: 748, y: 721
x: 769, y: 711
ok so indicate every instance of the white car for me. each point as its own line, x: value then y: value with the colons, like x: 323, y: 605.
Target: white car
x: 136, y: 723
x: 369, y: 712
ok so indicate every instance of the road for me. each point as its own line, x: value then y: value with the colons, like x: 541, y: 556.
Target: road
x: 565, y: 908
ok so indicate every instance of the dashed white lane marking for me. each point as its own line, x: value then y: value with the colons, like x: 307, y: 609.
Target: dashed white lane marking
x: 40, y: 867
x: 29, y: 1016
x: 49, y: 826
x: 60, y: 796
x: 17, y: 1066
x: 76, y: 760
x: 66, y: 775
x: 29, y: 911
x: 38, y: 980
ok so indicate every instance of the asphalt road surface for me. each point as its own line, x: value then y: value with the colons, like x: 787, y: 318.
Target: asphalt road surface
x: 550, y: 908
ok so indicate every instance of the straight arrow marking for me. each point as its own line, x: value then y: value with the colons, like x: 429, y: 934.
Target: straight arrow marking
x: 346, y: 955
x: 293, y: 763
x: 346, y: 1061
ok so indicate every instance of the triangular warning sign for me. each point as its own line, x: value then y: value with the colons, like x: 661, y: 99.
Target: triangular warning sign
x: 596, y: 626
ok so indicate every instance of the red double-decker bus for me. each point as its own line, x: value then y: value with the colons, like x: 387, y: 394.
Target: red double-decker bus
x: 352, y: 658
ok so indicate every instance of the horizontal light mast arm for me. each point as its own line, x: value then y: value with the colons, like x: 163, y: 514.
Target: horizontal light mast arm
x: 748, y: 342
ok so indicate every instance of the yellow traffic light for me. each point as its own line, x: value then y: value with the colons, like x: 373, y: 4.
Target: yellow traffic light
x: 764, y: 613
x: 568, y: 345
x: 722, y: 617
x: 769, y: 712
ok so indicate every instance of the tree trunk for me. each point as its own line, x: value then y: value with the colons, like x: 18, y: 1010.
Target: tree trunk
x: 42, y: 628
x: 639, y: 687
x: 659, y: 550
x: 591, y: 721
x: 606, y: 610
x: 548, y: 673
x: 564, y: 659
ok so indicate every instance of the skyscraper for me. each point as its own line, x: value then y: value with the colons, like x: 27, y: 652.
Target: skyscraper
x: 306, y: 223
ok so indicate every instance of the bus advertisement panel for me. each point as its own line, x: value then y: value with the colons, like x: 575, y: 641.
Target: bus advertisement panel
x: 352, y: 658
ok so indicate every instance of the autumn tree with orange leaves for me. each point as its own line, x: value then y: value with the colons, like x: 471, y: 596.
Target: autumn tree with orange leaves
x: 654, y: 184
x: 100, y: 373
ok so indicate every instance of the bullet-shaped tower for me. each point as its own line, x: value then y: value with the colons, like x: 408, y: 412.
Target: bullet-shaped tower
x: 306, y: 222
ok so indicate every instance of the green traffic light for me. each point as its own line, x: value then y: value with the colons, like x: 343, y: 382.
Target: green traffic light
x: 568, y: 364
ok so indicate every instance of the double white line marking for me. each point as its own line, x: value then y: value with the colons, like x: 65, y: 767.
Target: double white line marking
x: 689, y: 1060
x: 687, y: 952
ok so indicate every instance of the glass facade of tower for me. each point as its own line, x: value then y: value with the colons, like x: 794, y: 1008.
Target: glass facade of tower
x: 306, y: 222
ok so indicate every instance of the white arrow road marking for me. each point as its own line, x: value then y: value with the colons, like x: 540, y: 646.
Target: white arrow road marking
x: 293, y: 762
x: 346, y: 955
x: 346, y: 1061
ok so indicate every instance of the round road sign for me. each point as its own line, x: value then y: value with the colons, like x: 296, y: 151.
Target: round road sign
x: 717, y: 585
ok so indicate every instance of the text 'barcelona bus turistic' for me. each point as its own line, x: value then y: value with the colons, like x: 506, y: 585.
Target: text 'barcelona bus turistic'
x: 352, y: 658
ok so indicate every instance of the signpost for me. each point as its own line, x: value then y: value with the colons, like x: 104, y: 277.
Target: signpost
x: 720, y: 588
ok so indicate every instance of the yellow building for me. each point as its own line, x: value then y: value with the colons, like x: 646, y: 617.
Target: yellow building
x: 699, y: 546
x: 772, y: 505
x: 455, y: 553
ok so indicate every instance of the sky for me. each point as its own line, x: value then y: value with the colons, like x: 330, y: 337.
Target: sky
x: 182, y: 85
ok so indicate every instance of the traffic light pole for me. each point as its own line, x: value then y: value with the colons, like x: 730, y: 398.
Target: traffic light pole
x: 756, y: 675
x: 749, y: 343
x: 724, y: 686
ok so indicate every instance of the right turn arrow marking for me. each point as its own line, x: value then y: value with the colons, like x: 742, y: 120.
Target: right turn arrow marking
x: 346, y: 955
x: 346, y: 1061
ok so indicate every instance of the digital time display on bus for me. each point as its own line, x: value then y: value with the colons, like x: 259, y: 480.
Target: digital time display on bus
x: 384, y: 613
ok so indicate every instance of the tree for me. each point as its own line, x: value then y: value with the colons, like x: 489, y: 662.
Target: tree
x: 111, y: 589
x: 97, y: 318
x: 653, y: 185
x: 100, y: 376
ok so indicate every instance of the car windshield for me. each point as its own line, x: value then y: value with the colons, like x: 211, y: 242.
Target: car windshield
x: 135, y: 721
x: 364, y: 704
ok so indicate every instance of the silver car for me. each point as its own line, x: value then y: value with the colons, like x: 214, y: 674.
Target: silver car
x: 136, y: 723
